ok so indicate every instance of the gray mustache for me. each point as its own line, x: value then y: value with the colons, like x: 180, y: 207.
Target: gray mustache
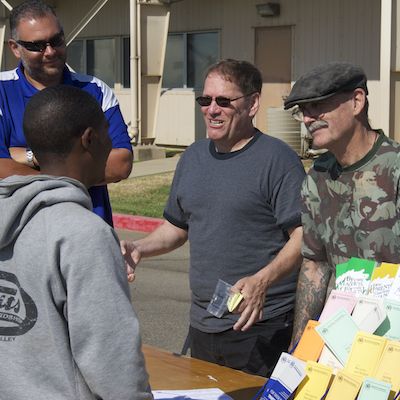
x: 316, y: 125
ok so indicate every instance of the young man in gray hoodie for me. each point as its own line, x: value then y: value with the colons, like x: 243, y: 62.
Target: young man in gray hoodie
x: 67, y: 327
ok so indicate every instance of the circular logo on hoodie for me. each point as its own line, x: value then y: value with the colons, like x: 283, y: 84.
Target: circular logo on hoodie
x: 18, y: 312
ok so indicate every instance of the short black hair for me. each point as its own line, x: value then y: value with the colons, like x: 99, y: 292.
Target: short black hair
x: 242, y: 73
x: 56, y: 117
x: 28, y: 9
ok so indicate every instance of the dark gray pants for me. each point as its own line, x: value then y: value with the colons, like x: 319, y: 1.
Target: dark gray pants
x: 255, y: 351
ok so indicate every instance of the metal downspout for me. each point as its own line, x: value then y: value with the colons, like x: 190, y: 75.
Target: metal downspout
x: 3, y: 28
x: 134, y: 63
x: 385, y: 63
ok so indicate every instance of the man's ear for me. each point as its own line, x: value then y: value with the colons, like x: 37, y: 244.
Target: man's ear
x: 13, y: 45
x: 87, y: 138
x: 359, y: 100
x: 255, y: 104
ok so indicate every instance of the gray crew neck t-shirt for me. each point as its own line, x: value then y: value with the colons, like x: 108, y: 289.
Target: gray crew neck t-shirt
x: 237, y: 208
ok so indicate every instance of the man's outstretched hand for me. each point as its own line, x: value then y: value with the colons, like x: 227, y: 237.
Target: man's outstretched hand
x: 132, y: 257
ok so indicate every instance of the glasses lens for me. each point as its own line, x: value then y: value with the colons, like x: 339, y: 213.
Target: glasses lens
x: 223, y: 101
x: 204, y: 101
x: 33, y: 46
x: 57, y: 40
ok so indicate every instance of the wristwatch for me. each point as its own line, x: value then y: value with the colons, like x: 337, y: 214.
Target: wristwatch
x: 29, y: 157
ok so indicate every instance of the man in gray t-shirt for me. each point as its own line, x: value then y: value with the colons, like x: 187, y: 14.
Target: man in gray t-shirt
x: 236, y: 197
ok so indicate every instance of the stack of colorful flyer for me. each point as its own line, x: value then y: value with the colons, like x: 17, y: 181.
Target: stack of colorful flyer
x: 372, y: 389
x: 365, y: 354
x: 369, y: 313
x: 310, y: 345
x: 338, y: 333
x: 382, y: 279
x: 329, y: 359
x: 390, y: 327
x: 344, y: 386
x: 286, y: 377
x: 316, y: 383
x: 387, y: 369
x: 357, y: 338
x: 337, y: 300
x: 354, y: 276
x: 394, y: 292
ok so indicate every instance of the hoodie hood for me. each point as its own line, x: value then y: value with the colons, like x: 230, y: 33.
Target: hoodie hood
x: 21, y: 197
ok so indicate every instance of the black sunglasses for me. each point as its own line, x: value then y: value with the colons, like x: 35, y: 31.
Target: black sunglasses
x: 205, y: 101
x: 39, y: 46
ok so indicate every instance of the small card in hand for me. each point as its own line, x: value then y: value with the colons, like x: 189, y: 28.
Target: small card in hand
x: 234, y: 300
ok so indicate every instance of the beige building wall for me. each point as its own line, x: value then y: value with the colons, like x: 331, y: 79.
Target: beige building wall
x: 112, y: 19
x: 324, y: 30
x: 171, y: 118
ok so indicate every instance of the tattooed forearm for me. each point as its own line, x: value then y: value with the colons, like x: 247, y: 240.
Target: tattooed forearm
x: 310, y: 297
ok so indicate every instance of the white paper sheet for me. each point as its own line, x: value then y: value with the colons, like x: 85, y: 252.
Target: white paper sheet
x: 194, y: 394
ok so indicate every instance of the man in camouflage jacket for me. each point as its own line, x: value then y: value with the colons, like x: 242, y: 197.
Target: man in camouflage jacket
x: 351, y: 194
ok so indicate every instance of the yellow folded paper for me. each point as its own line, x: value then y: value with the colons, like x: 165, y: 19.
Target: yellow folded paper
x: 344, y: 386
x: 365, y: 354
x: 314, y: 385
x: 388, y: 366
x: 234, y: 300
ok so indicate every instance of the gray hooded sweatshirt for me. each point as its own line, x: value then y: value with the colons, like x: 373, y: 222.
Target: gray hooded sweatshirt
x: 67, y: 327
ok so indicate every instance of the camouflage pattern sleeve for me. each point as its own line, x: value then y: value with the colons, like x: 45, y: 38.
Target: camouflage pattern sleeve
x: 313, y: 246
x: 312, y: 288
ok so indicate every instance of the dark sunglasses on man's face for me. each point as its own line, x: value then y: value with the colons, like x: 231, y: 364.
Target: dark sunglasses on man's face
x: 39, y: 46
x: 221, y: 101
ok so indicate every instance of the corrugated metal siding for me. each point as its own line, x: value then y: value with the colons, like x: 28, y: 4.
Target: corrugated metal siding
x: 112, y: 19
x: 324, y: 30
x: 338, y: 30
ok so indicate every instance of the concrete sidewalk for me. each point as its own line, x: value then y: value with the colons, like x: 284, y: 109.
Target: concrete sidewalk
x: 152, y: 167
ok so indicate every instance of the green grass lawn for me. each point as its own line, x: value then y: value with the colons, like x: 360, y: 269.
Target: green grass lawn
x: 144, y: 196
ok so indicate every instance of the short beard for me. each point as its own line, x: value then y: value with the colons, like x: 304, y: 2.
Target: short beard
x: 40, y: 75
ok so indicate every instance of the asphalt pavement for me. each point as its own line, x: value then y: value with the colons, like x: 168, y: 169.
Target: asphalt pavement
x: 161, y: 296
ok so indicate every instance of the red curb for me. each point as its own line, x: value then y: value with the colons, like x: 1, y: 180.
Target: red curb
x: 136, y: 222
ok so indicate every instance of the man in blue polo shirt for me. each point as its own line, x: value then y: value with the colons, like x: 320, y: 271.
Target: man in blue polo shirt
x: 37, y: 41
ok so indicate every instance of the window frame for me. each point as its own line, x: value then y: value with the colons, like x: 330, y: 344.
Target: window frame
x: 118, y: 62
x: 185, y: 35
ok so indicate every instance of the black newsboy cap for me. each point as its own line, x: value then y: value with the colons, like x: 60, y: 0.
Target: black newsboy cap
x: 324, y: 81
